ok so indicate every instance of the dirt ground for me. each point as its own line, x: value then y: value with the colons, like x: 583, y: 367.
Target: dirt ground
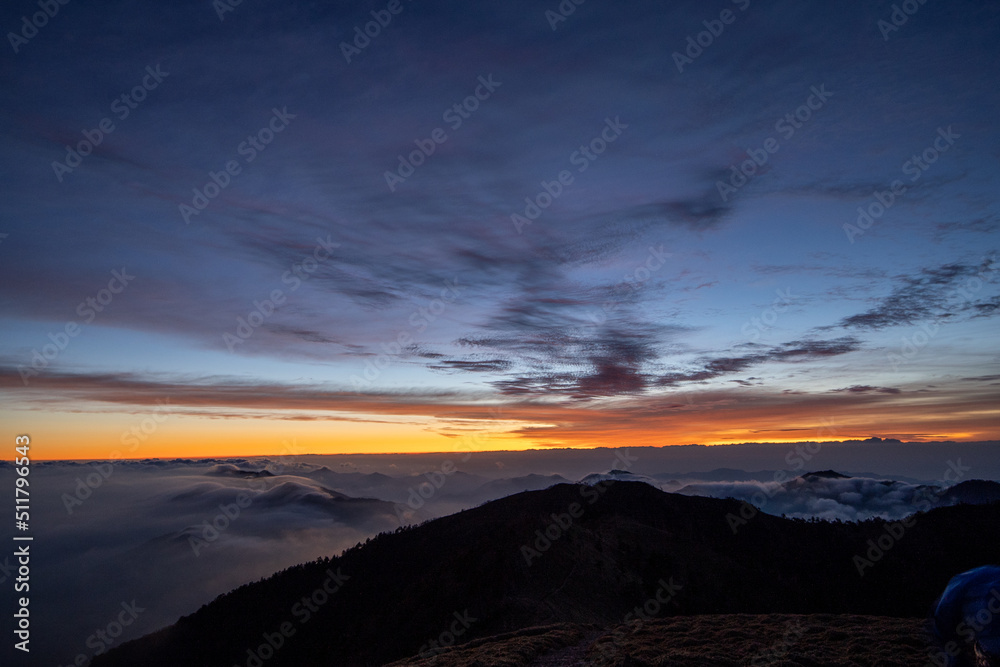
x: 725, y: 640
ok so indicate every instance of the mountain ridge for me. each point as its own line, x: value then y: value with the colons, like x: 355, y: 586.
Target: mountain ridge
x: 579, y: 554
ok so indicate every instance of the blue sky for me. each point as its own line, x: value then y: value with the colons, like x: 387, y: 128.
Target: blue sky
x: 518, y: 329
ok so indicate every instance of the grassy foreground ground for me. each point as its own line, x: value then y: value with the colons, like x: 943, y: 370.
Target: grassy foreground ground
x: 722, y: 640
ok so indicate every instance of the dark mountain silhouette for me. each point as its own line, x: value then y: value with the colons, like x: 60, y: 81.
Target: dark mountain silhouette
x: 461, y: 488
x: 720, y: 475
x: 395, y: 489
x: 288, y: 493
x: 736, y: 475
x: 229, y: 470
x: 576, y: 554
x: 832, y: 495
x: 500, y: 488
x: 972, y: 492
x: 619, y: 476
x: 825, y: 474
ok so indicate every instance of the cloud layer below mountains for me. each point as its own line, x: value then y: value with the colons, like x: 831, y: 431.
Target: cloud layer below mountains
x: 172, y: 535
x: 852, y: 499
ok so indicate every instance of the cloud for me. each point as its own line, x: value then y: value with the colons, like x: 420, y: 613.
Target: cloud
x: 612, y: 363
x: 829, y: 498
x: 172, y: 535
x: 700, y: 213
x: 804, y: 350
x: 985, y: 225
x: 539, y: 408
x: 133, y: 535
x: 478, y: 366
x: 930, y: 294
x: 987, y: 308
x: 867, y: 389
x: 793, y: 351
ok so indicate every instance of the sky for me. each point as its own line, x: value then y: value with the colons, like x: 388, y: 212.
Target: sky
x: 230, y: 229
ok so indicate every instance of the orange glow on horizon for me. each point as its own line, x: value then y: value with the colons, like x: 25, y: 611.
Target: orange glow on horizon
x: 92, y: 436
x: 100, y: 422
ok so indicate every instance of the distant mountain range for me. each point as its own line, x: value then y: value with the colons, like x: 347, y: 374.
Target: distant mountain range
x: 736, y: 475
x: 573, y: 553
x: 832, y: 495
x: 972, y: 492
x: 424, y: 494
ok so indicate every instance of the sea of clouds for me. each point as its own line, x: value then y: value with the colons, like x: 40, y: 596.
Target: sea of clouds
x: 162, y: 537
